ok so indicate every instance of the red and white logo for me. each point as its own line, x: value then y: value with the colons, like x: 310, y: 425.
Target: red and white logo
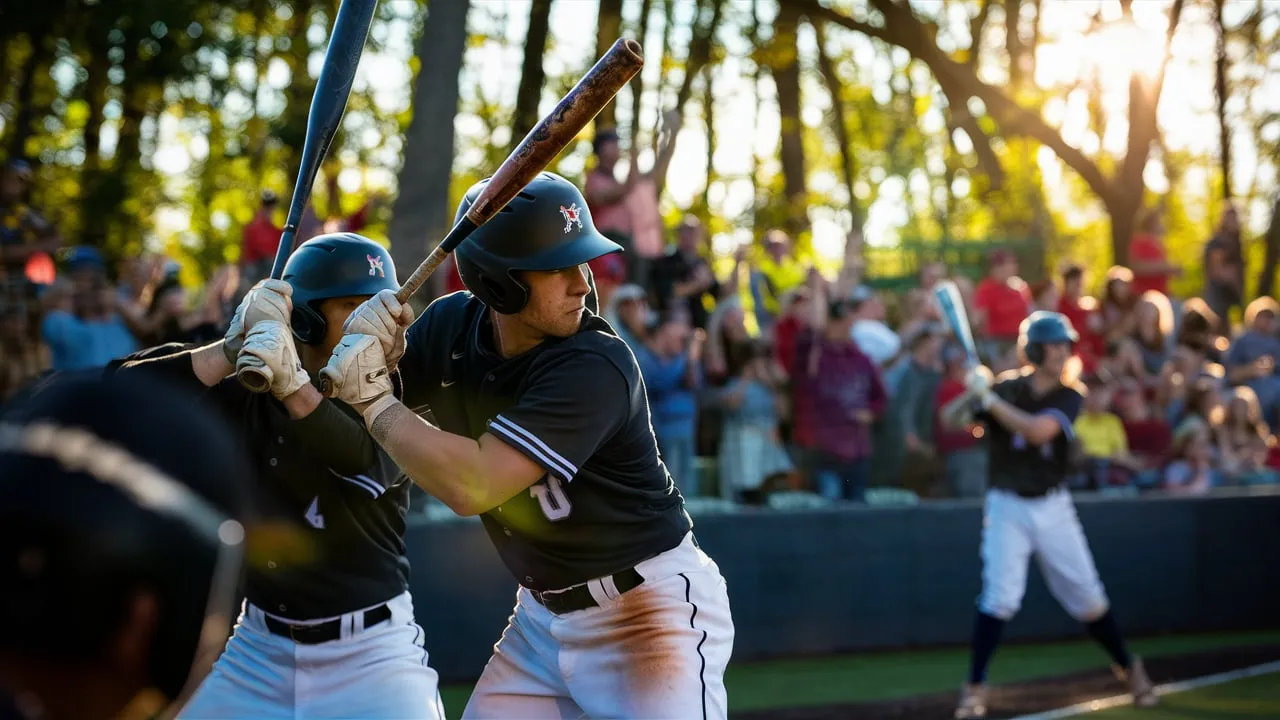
x: 571, y: 215
x: 375, y: 265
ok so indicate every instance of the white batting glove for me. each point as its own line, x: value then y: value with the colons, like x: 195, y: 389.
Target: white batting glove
x: 269, y: 300
x: 357, y: 371
x: 271, y: 343
x: 385, y: 318
x: 978, y: 383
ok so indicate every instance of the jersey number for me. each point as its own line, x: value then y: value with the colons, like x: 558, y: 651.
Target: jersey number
x: 550, y: 494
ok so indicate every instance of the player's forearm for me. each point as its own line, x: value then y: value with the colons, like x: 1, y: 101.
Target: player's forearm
x: 446, y: 466
x: 210, y: 364
x: 1037, y: 429
x: 336, y: 438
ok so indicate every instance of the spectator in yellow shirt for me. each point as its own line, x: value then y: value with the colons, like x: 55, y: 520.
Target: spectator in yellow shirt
x: 1100, y: 432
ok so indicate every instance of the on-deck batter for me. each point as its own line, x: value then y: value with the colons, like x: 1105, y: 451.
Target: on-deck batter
x: 540, y: 426
x: 330, y: 632
x: 1029, y: 415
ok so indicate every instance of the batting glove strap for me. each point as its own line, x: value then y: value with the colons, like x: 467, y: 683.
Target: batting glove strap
x: 357, y: 372
x: 271, y: 343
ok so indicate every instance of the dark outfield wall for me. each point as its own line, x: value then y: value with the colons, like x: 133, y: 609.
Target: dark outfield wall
x: 857, y: 578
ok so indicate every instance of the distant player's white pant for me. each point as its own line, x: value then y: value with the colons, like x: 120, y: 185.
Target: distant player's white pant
x: 1013, y: 529
x: 380, y: 672
x: 657, y: 651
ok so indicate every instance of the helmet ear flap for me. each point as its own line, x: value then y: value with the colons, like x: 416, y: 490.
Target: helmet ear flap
x: 308, y: 325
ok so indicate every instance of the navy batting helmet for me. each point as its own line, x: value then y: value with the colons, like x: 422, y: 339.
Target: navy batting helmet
x: 546, y: 226
x: 112, y: 487
x: 330, y: 266
x: 1045, y: 328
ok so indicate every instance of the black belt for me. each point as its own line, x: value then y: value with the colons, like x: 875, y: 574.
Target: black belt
x: 325, y: 631
x: 1039, y: 493
x: 579, y: 597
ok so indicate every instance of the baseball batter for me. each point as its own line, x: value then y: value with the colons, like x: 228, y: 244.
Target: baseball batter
x: 538, y: 423
x: 328, y: 632
x: 1029, y: 415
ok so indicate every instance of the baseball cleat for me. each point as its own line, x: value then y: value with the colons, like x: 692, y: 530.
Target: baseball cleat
x: 973, y: 702
x: 1144, y: 693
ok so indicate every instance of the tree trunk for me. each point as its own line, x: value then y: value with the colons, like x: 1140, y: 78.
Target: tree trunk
x: 786, y: 77
x: 668, y: 9
x: 699, y: 57
x: 1221, y: 90
x: 531, y: 73
x: 256, y: 128
x: 421, y: 214
x: 757, y: 75
x: 835, y: 89
x: 1013, y: 42
x: 91, y: 203
x: 23, y: 122
x: 637, y: 82
x: 608, y: 30
x: 708, y: 107
x: 1271, y: 260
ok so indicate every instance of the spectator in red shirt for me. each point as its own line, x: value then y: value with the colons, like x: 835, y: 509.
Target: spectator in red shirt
x: 261, y: 237
x: 1082, y: 311
x: 1002, y: 301
x: 1147, y: 256
x: 964, y: 456
x: 1149, y: 436
x: 794, y: 317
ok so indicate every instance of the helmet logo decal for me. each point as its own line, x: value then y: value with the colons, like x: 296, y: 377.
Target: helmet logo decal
x: 375, y: 265
x: 572, y: 214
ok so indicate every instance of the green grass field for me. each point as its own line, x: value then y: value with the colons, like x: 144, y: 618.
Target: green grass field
x: 1255, y: 697
x: 889, y: 675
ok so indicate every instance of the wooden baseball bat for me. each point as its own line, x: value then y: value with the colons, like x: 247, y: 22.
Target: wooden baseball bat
x: 328, y: 103
x: 543, y: 143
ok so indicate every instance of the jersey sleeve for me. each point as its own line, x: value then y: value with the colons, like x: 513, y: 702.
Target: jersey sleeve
x: 380, y: 475
x: 1065, y: 408
x: 567, y: 412
x: 413, y: 369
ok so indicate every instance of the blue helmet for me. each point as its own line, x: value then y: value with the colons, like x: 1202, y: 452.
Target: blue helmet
x: 330, y: 266
x: 1045, y: 328
x: 546, y: 226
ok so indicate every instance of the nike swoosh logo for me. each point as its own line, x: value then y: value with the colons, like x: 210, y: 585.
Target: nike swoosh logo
x: 457, y: 356
x: 446, y: 383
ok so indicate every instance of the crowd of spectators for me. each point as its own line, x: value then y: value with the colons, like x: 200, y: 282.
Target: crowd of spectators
x: 768, y: 381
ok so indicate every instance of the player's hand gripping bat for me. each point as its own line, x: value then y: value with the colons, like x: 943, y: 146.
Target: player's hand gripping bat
x: 328, y: 103
x: 535, y: 152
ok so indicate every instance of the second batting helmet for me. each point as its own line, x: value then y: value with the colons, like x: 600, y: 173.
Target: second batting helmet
x: 330, y: 266
x: 546, y: 226
x: 1044, y: 328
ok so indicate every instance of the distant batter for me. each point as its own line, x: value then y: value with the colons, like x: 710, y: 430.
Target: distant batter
x: 1029, y: 415
x: 538, y: 423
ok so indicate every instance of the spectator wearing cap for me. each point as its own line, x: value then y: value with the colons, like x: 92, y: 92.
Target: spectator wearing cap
x: 1002, y: 301
x: 683, y: 278
x: 630, y: 316
x: 1148, y: 258
x: 259, y: 241
x: 962, y: 450
x: 838, y: 390
x: 869, y: 331
x: 27, y: 240
x: 908, y: 429
x: 1251, y: 359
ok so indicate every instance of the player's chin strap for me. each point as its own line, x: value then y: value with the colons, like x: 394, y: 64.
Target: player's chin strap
x: 80, y: 450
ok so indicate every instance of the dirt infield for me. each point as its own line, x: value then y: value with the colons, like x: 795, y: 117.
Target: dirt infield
x: 1008, y: 701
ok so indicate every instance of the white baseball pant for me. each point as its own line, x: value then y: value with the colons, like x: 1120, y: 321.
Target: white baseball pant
x: 657, y: 651
x: 1014, y: 528
x: 379, y: 672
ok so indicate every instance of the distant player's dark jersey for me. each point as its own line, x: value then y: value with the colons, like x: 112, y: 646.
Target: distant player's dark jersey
x: 333, y: 501
x: 1018, y: 466
x: 575, y: 406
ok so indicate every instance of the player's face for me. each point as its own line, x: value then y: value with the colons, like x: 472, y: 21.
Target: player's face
x: 335, y: 312
x: 557, y: 299
x: 1055, y: 357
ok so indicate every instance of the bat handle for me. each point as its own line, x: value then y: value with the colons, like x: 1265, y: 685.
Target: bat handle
x: 252, y: 374
x: 456, y: 235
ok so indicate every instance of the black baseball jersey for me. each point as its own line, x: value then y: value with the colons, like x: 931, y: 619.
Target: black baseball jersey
x: 575, y: 406
x: 1017, y: 466
x: 322, y: 477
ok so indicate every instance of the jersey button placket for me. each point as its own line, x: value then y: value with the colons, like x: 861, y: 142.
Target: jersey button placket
x: 273, y: 462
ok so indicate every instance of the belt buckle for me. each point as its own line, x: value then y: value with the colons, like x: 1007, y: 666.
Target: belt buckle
x: 293, y: 628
